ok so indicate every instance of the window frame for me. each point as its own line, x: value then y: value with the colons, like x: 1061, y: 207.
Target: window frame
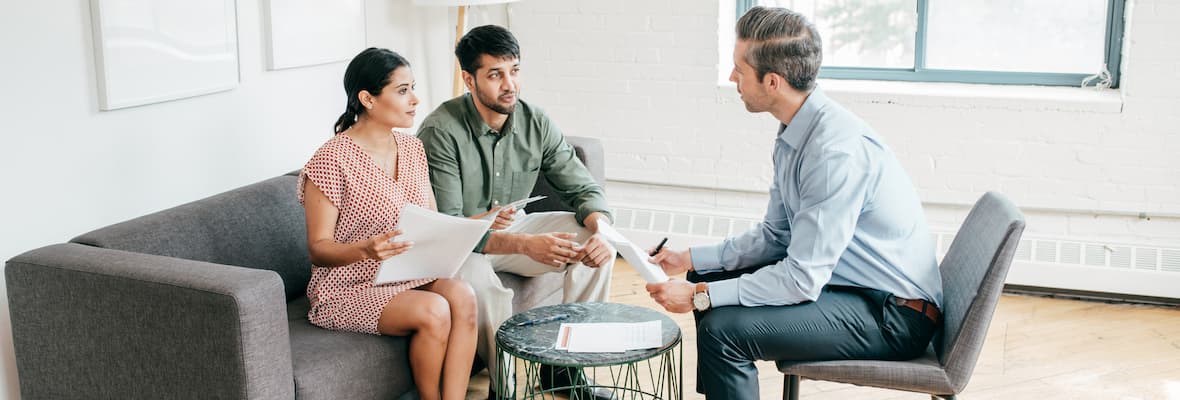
x: 920, y: 73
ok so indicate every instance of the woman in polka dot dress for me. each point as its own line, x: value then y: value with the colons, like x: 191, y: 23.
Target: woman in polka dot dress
x: 360, y: 180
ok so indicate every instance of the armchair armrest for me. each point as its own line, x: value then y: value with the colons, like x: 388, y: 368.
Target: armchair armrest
x: 103, y: 323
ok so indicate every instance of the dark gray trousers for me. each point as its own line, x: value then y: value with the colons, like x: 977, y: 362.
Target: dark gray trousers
x: 844, y: 323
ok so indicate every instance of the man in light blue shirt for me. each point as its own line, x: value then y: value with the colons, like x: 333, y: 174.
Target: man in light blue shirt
x: 842, y: 267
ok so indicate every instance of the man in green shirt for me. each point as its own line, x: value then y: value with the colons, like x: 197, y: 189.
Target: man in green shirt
x: 485, y: 150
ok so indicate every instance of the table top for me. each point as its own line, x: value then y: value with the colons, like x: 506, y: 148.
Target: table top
x: 536, y: 342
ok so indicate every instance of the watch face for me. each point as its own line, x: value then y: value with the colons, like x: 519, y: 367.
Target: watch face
x: 700, y: 301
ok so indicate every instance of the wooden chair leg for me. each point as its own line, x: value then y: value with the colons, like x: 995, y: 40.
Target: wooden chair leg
x: 790, y: 387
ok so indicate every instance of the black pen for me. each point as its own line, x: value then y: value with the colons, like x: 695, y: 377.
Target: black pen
x: 658, y: 247
x: 538, y: 321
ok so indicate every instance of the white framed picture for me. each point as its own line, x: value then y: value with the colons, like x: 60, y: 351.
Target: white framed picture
x: 148, y: 51
x: 312, y: 32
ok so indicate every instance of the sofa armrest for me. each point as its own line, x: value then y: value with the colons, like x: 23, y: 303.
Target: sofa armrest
x: 103, y: 323
x: 589, y: 150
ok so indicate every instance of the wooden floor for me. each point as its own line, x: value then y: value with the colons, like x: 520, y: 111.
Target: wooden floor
x: 1036, y: 348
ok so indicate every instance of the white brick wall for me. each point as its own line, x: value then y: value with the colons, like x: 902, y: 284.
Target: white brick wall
x: 642, y: 76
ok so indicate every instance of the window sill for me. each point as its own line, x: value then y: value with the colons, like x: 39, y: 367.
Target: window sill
x: 972, y: 96
x: 963, y: 95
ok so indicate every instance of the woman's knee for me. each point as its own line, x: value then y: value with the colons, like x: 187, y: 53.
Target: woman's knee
x: 433, y: 315
x: 461, y: 297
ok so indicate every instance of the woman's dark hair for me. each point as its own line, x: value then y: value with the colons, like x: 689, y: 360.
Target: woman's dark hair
x: 370, y: 70
x: 492, y: 40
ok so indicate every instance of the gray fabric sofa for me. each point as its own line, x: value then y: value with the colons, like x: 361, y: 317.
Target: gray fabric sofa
x: 206, y: 301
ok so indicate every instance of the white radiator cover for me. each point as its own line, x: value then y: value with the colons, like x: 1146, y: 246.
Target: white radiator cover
x: 1122, y: 268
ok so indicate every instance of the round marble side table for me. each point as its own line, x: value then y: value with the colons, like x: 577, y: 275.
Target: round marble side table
x: 635, y: 374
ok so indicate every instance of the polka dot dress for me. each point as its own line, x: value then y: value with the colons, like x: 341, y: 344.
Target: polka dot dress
x: 369, y: 201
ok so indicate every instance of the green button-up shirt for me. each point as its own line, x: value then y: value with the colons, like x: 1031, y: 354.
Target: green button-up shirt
x: 474, y: 168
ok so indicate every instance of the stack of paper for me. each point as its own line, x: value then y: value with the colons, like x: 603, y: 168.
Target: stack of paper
x: 608, y: 337
x: 441, y: 245
x: 633, y: 254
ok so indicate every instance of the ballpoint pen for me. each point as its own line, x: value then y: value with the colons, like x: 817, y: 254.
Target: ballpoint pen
x: 538, y: 321
x: 658, y: 247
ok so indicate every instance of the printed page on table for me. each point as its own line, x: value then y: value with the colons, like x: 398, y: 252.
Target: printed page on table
x: 608, y: 337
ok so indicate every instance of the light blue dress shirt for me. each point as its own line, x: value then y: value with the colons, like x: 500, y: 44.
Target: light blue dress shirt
x: 842, y: 212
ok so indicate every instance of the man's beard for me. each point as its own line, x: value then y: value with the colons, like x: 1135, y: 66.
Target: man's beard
x: 753, y: 102
x: 493, y: 104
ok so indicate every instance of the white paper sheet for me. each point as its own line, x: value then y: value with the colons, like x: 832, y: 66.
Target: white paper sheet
x: 441, y: 245
x: 634, y: 255
x: 608, y: 337
x: 518, y: 205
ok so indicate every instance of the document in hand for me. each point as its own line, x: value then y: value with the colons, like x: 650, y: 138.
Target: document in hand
x: 518, y: 204
x: 633, y: 254
x: 441, y: 245
x: 608, y: 337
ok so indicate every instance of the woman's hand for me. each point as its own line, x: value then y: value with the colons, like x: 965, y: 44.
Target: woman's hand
x: 381, y: 247
x: 504, y: 217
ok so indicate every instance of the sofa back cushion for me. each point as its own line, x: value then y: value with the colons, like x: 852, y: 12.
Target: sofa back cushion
x: 589, y: 151
x: 258, y: 226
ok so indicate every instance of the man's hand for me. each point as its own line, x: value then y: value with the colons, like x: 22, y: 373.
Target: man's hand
x: 554, y: 248
x: 675, y: 294
x: 596, y: 252
x: 504, y: 217
x: 673, y: 262
x: 381, y: 248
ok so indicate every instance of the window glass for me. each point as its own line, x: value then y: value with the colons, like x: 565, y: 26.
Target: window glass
x: 861, y: 33
x: 1062, y: 36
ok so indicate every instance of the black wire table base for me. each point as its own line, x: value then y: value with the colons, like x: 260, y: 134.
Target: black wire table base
x: 654, y: 378
x: 526, y: 353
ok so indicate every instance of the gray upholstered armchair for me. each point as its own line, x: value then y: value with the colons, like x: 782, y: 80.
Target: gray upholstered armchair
x: 973, y: 273
x: 204, y: 301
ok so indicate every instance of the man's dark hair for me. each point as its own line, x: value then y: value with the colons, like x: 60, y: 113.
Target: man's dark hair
x: 492, y: 40
x: 784, y: 42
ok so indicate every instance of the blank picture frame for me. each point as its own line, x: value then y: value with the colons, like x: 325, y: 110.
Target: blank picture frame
x: 149, y: 51
x: 313, y: 32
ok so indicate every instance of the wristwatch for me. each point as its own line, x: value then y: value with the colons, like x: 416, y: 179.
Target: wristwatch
x: 700, y: 298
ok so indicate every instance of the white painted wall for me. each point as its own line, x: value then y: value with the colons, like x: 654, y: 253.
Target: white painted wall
x: 69, y: 168
x: 640, y: 74
x: 643, y: 76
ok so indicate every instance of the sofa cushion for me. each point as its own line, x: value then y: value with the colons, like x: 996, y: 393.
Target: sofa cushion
x: 345, y: 365
x: 257, y: 226
x: 529, y: 293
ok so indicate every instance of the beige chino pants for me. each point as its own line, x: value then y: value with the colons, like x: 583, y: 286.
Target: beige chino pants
x: 494, y: 301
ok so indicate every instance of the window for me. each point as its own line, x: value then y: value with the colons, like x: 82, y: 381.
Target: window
x: 1029, y: 42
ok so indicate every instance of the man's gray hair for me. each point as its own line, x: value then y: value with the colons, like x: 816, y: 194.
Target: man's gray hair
x: 784, y: 42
